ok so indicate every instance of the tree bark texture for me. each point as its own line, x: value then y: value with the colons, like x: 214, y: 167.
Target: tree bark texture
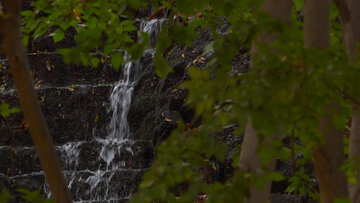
x: 317, y: 24
x: 328, y: 156
x: 10, y: 25
x: 249, y: 160
x: 351, y: 37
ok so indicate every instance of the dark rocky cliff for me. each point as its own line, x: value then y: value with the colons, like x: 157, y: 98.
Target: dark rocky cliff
x: 74, y: 100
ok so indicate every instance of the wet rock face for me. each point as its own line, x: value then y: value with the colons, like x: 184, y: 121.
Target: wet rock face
x: 65, y: 113
x: 49, y: 70
x: 155, y: 96
x: 75, y: 102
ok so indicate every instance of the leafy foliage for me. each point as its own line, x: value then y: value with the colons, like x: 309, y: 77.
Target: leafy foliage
x: 6, y: 110
x: 284, y: 90
x: 33, y: 196
x: 5, y: 196
x: 27, y: 195
x: 101, y: 26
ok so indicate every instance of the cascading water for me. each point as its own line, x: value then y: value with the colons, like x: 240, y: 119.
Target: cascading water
x: 97, y: 184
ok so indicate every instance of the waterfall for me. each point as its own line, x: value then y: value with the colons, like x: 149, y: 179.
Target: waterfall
x: 120, y: 98
x: 97, y: 183
x: 120, y: 101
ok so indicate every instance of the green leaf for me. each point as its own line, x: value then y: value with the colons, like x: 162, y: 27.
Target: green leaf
x: 299, y: 4
x: 84, y: 59
x: 25, y: 40
x: 128, y: 25
x: 116, y: 60
x: 33, y: 196
x: 27, y: 13
x: 91, y: 22
x: 64, y: 25
x: 342, y: 200
x: 275, y: 176
x: 259, y: 181
x: 6, y: 110
x: 41, y: 29
x: 5, y: 196
x: 136, y: 51
x: 162, y: 68
x: 71, y: 55
x: 109, y: 48
x: 146, y: 183
x: 95, y: 61
x: 58, y: 35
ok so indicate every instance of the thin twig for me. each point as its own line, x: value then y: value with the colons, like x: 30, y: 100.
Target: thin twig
x: 347, y: 96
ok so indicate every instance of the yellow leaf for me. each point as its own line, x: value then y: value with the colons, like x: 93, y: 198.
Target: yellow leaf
x: 201, y: 59
x: 213, y: 166
x: 96, y: 118
x: 77, y: 15
x: 48, y: 65
x: 167, y: 119
x: 38, y: 84
x: 72, y: 88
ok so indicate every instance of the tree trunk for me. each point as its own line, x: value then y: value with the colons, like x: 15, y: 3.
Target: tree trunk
x: 351, y: 33
x: 329, y: 156
x: 354, y: 152
x: 10, y: 25
x: 249, y: 160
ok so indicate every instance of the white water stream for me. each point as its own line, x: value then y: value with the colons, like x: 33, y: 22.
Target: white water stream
x: 118, y: 138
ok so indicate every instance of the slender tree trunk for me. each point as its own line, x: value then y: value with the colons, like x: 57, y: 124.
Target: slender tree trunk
x: 329, y: 156
x: 351, y: 28
x: 10, y: 25
x: 249, y: 160
x: 351, y: 33
x: 354, y: 152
